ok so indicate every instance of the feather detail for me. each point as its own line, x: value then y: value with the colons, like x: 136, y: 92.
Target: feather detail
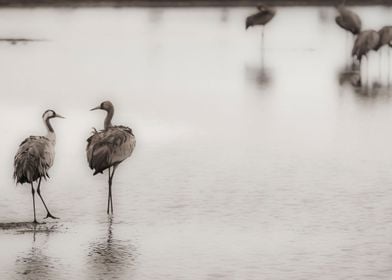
x: 34, y: 158
x: 108, y: 147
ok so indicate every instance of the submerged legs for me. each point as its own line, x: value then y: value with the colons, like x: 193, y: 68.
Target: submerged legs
x: 39, y: 194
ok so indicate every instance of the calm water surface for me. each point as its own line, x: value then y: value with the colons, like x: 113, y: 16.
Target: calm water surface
x: 245, y: 168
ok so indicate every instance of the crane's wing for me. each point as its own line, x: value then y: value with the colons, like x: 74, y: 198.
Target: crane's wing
x: 108, y: 147
x: 33, y: 159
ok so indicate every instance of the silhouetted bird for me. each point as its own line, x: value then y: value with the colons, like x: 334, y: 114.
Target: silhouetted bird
x: 365, y: 42
x: 34, y: 158
x: 386, y: 40
x: 385, y: 36
x: 107, y: 148
x: 348, y: 20
x: 264, y: 16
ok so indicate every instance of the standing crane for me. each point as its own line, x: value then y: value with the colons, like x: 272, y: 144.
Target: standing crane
x: 386, y: 39
x: 264, y: 16
x: 349, y: 21
x: 107, y: 148
x: 366, y: 41
x: 34, y: 158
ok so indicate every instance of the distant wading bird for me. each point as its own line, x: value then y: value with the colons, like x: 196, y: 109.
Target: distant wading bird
x: 107, y: 148
x: 366, y: 41
x: 34, y: 158
x: 264, y: 16
x: 386, y: 39
x: 349, y: 21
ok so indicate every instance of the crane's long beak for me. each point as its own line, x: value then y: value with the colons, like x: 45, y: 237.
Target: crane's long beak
x: 59, y: 116
x: 96, y: 108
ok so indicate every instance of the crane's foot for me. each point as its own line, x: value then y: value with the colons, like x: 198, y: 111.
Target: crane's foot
x: 50, y: 216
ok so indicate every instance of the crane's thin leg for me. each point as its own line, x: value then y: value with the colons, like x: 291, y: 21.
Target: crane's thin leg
x: 346, y: 49
x: 32, y: 192
x: 351, y: 47
x: 110, y: 187
x: 389, y: 66
x: 367, y: 72
x: 361, y: 75
x: 48, y: 215
x: 110, y: 191
x: 262, y: 46
x: 379, y: 65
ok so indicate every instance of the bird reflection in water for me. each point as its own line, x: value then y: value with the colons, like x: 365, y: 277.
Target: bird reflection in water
x: 323, y: 15
x: 109, y: 257
x: 224, y: 15
x: 35, y: 264
x: 259, y: 75
x: 155, y: 15
x: 353, y: 79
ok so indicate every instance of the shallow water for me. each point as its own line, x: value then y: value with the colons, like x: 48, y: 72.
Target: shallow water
x: 245, y: 168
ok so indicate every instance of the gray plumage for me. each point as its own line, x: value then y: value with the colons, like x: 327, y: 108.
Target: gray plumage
x: 365, y: 42
x: 264, y: 16
x: 386, y: 40
x: 107, y: 148
x: 348, y: 20
x: 34, y: 158
x: 385, y: 36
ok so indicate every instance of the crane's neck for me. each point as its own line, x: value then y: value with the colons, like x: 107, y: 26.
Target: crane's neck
x: 108, y: 119
x: 51, y: 134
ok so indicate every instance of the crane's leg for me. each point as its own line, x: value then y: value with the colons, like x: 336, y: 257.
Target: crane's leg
x: 110, y: 187
x: 110, y: 191
x: 363, y: 70
x: 347, y: 48
x: 389, y: 66
x: 48, y: 215
x: 361, y: 75
x: 379, y: 64
x: 368, y: 80
x: 262, y: 46
x: 32, y: 192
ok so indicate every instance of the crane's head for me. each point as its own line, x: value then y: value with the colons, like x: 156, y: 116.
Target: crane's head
x: 261, y: 7
x: 106, y: 105
x: 49, y: 114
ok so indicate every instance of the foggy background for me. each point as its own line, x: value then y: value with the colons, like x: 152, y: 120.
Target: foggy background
x: 241, y: 171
